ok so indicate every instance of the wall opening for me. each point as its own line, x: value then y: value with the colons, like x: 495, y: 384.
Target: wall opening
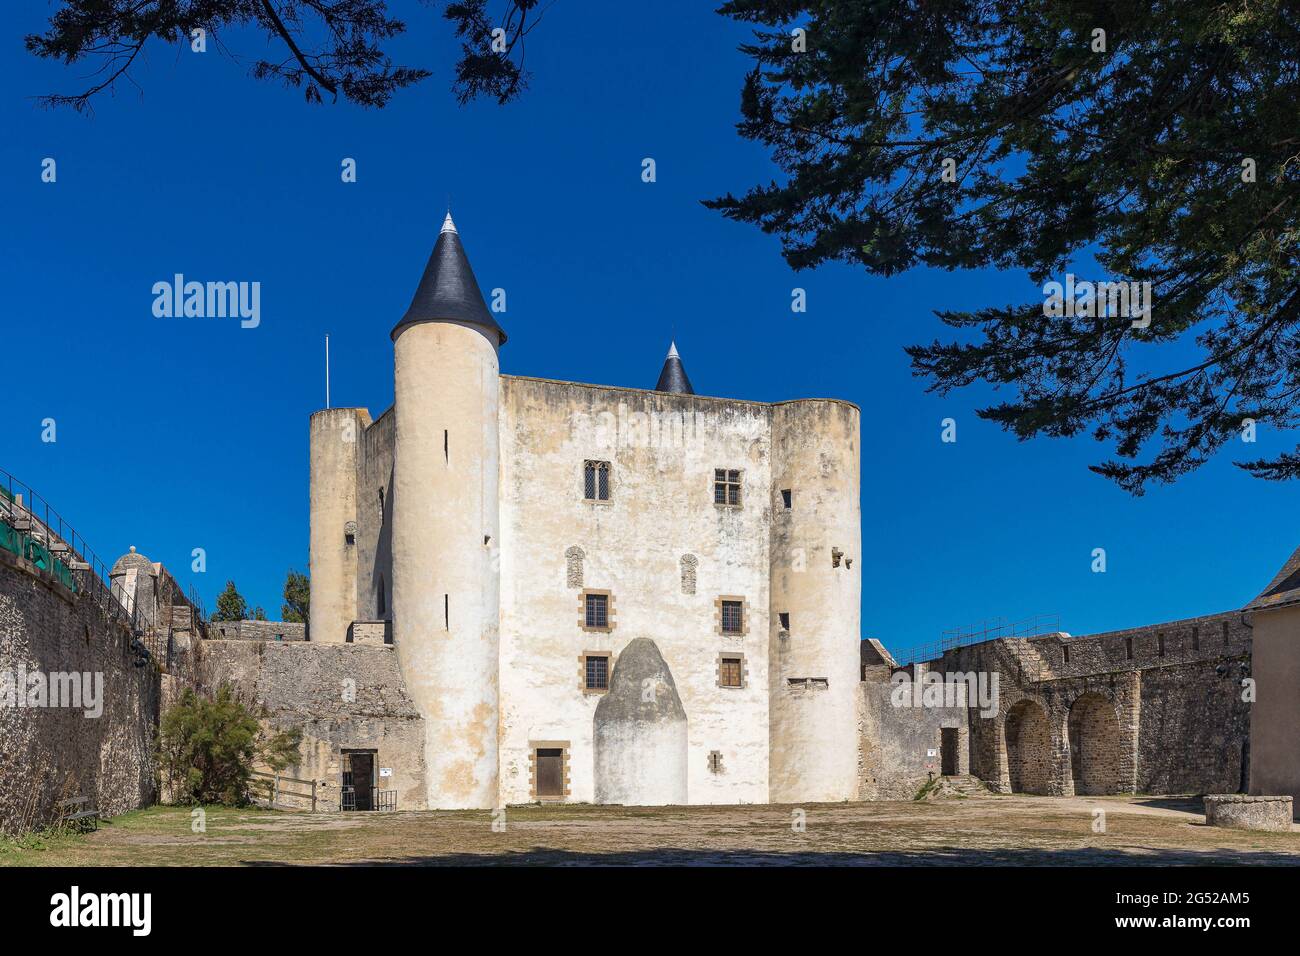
x: 948, y: 751
x: 1028, y: 748
x: 1094, y: 746
x: 358, y: 784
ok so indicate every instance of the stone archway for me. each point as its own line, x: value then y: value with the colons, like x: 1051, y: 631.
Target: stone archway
x: 1028, y: 748
x: 1093, y: 730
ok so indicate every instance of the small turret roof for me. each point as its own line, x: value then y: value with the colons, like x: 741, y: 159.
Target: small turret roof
x: 448, y: 291
x: 673, y: 377
x: 132, y: 559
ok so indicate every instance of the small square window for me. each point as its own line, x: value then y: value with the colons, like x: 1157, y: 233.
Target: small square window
x: 726, y: 486
x: 785, y: 497
x: 733, y: 617
x: 595, y: 480
x: 597, y: 675
x: 598, y: 610
x: 729, y: 672
x: 784, y: 617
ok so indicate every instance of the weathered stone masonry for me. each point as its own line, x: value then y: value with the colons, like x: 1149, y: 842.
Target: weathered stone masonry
x: 1157, y: 709
x: 48, y: 754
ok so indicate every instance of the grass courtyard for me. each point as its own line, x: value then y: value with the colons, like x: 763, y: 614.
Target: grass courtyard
x: 993, y: 830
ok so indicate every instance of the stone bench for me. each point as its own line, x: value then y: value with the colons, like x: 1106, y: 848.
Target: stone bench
x: 1241, y: 812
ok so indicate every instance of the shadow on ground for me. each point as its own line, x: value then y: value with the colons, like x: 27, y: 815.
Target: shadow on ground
x: 939, y: 856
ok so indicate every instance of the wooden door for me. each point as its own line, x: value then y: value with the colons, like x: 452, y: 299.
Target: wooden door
x: 550, y: 772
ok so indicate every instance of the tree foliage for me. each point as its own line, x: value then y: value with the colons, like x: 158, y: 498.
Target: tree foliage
x: 1128, y: 145
x: 297, y: 597
x: 209, y: 746
x: 331, y: 48
x: 231, y: 605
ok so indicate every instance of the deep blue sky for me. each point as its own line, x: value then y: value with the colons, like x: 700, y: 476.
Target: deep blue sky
x: 175, y: 434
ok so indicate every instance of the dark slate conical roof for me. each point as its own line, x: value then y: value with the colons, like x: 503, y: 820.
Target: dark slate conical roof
x: 673, y: 377
x: 448, y: 290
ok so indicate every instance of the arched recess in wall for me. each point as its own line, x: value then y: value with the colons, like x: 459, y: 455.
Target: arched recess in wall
x: 573, y: 558
x: 1094, y: 746
x: 1028, y: 748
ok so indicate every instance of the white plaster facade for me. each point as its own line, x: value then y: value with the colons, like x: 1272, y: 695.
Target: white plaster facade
x: 468, y: 503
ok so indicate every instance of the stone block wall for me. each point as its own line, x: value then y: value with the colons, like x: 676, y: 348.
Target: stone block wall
x: 902, y: 746
x: 256, y: 631
x: 1155, y: 709
x: 341, y: 696
x: 48, y: 754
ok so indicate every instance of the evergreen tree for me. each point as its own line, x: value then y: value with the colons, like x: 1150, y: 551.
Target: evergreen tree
x: 1026, y: 135
x: 297, y: 598
x: 231, y: 605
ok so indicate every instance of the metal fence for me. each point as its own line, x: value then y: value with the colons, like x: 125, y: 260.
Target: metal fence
x: 987, y: 630
x: 30, y: 513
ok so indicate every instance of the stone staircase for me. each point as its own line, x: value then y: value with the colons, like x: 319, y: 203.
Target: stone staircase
x: 960, y: 786
x: 1031, y: 666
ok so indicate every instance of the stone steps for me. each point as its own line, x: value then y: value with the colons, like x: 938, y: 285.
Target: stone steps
x: 957, y: 786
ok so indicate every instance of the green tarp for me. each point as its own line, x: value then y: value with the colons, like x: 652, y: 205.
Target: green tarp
x: 25, y: 546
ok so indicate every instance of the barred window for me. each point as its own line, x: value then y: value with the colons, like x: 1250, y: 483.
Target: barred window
x: 595, y: 480
x: 726, y: 486
x: 733, y: 617
x: 729, y: 672
x: 597, y: 610
x: 597, y: 673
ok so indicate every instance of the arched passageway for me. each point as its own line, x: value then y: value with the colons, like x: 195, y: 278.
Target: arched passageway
x: 1028, y: 748
x: 1094, y: 746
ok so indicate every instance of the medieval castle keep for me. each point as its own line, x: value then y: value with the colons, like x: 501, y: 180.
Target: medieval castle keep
x: 529, y: 590
x: 517, y: 534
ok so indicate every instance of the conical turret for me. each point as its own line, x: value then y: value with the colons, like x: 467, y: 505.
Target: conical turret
x: 673, y: 377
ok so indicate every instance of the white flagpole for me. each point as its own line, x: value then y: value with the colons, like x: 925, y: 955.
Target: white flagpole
x: 327, y: 370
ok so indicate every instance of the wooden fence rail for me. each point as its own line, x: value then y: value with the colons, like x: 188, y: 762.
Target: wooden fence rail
x: 274, y: 790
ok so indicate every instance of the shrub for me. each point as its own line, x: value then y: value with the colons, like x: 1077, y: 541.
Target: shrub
x: 208, y: 747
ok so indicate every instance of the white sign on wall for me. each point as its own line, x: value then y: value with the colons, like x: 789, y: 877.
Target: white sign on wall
x: 928, y: 753
x: 385, y: 771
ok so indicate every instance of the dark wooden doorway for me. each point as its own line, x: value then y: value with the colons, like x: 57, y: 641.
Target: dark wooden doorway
x: 948, y: 750
x: 358, y: 780
x: 550, y: 772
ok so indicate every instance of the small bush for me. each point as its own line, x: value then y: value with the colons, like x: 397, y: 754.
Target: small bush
x: 208, y: 747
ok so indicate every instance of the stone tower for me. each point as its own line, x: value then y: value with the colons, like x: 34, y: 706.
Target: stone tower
x: 335, y: 433
x: 816, y: 542
x: 446, y: 578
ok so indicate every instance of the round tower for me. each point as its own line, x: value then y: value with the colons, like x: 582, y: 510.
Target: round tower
x: 816, y: 586
x: 446, y: 592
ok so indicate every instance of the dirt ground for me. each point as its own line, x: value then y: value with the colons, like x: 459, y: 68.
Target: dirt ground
x: 993, y: 830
